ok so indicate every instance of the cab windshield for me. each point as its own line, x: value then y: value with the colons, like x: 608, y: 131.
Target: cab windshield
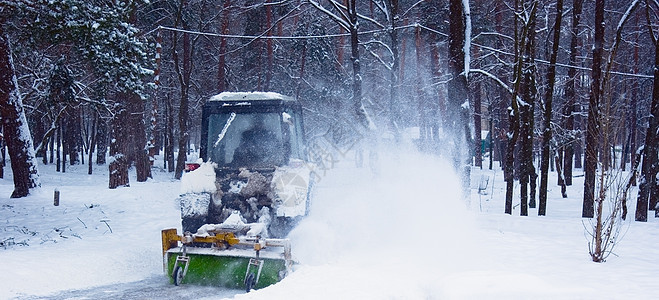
x: 247, y: 140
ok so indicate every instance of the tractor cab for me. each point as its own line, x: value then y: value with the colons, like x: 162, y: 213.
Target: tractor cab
x: 256, y: 130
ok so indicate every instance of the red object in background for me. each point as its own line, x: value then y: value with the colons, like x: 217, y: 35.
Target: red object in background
x: 191, y: 167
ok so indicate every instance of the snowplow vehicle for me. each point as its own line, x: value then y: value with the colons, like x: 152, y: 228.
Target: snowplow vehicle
x: 249, y: 189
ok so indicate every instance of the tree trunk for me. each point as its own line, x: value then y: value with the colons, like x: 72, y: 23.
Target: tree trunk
x: 633, y: 128
x: 478, y: 144
x: 101, y: 141
x: 118, y: 166
x: 649, y: 167
x: 570, y: 95
x: 547, y: 133
x: 184, y: 82
x: 269, y: 48
x: 14, y: 123
x: 421, y: 103
x: 654, y: 190
x: 358, y: 107
x: 51, y: 153
x: 73, y: 134
x: 559, y: 173
x: 592, y: 128
x: 528, y: 93
x: 221, y: 64
x: 169, y: 134
x: 154, y: 130
x: 92, y: 144
x: 458, y: 95
x: 394, y: 117
x: 138, y: 137
x: 440, y: 100
x: 63, y: 142
x: 58, y: 146
x: 513, y: 133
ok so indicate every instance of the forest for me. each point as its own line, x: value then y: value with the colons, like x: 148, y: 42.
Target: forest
x: 530, y: 86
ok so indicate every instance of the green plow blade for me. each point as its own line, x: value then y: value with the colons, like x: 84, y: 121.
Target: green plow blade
x: 226, y: 270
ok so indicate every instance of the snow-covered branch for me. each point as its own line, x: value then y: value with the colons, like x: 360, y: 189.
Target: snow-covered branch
x: 341, y: 20
x: 467, y: 44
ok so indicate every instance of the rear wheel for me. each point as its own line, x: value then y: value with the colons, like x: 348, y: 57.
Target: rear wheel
x: 177, y: 275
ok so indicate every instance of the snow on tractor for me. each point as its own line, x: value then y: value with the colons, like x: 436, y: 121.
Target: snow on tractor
x: 239, y: 203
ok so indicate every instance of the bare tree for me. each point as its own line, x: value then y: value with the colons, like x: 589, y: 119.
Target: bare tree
x: 522, y: 75
x: 570, y: 95
x: 650, y: 166
x: 347, y: 18
x: 528, y: 92
x: 183, y: 74
x: 592, y: 127
x: 546, y: 133
x: 610, y: 188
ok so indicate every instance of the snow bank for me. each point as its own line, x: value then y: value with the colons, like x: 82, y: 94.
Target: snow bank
x: 201, y: 180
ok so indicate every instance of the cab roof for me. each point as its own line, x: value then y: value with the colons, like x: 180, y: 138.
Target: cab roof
x: 248, y: 96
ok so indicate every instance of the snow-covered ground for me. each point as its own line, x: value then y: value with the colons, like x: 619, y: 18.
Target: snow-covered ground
x: 403, y: 232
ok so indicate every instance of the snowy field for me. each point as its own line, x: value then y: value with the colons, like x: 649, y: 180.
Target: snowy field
x: 402, y: 232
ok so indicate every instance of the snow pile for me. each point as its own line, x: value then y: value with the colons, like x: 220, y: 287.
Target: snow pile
x: 394, y: 234
x: 234, y: 223
x: 201, y: 180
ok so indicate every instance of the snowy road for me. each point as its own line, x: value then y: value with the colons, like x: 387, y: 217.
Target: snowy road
x: 150, y: 288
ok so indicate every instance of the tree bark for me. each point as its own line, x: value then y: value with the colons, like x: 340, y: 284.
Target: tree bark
x: 14, y: 123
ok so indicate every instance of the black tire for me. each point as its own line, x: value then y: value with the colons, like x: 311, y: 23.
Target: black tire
x: 177, y: 275
x: 250, y: 281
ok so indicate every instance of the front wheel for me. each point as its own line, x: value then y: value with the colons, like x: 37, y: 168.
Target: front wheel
x: 177, y: 275
x: 250, y: 281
